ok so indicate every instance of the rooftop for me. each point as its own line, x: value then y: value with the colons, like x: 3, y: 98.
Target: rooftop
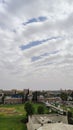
x: 48, y: 122
x: 56, y: 126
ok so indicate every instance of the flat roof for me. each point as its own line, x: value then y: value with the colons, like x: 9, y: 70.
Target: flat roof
x: 56, y: 126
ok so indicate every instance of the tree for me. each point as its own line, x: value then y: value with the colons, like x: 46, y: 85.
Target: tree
x: 72, y: 95
x: 70, y: 121
x: 64, y: 96
x: 69, y: 114
x: 3, y: 97
x: 29, y: 108
x: 40, y: 109
x: 34, y: 99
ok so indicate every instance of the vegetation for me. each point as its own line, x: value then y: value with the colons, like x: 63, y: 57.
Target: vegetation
x: 70, y: 117
x: 35, y: 94
x: 72, y: 95
x: 37, y: 105
x: 69, y: 114
x: 11, y: 117
x: 29, y: 108
x: 11, y: 123
x: 40, y: 109
x: 64, y: 96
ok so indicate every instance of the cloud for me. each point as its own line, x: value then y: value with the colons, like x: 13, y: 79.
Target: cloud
x: 35, y: 58
x: 36, y: 44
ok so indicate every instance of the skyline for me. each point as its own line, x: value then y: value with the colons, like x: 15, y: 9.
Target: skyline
x: 36, y: 44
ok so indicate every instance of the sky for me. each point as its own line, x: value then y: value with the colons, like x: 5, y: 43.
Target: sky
x: 36, y: 44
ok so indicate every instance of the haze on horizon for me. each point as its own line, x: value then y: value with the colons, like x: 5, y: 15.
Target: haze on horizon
x: 36, y: 44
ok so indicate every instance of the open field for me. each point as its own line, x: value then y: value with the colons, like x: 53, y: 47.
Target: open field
x: 12, y: 110
x: 11, y: 123
x: 11, y: 116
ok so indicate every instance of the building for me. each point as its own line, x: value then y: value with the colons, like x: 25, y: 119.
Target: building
x: 47, y: 122
x: 40, y: 98
x: 26, y: 91
x: 53, y: 100
x: 1, y: 96
x: 12, y: 100
x: 1, y: 91
x: 0, y: 99
x: 7, y: 92
x: 56, y: 126
x: 14, y: 91
x: 30, y: 95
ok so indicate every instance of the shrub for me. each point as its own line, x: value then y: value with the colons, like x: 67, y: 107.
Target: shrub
x: 40, y: 109
x: 29, y: 108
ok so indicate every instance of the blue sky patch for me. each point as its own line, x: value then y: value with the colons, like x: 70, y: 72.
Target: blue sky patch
x: 42, y: 18
x: 34, y: 20
x: 36, y: 58
x: 36, y: 43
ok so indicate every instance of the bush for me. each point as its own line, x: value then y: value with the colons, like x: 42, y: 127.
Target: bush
x: 40, y: 109
x: 24, y: 120
x: 70, y: 120
x: 29, y: 108
x: 69, y: 114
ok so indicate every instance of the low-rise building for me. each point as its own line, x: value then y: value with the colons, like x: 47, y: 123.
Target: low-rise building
x: 0, y: 100
x: 48, y: 122
x: 7, y: 92
x: 12, y: 100
x: 53, y: 99
x: 56, y: 126
x: 40, y: 98
x: 26, y: 91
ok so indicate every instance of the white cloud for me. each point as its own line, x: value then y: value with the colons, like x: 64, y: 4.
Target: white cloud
x: 16, y: 66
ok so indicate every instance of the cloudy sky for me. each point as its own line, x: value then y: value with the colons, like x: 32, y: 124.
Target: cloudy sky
x: 36, y: 44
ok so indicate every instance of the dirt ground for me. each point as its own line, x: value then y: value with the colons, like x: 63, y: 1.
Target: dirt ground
x: 8, y: 111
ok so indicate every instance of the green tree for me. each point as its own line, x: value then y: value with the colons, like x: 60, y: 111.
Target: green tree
x: 40, y: 109
x: 64, y: 96
x: 3, y: 97
x: 70, y: 121
x: 34, y: 99
x: 72, y: 95
x: 29, y: 108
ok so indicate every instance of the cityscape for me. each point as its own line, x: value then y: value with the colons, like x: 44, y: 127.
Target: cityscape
x: 53, y: 108
x: 36, y: 64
